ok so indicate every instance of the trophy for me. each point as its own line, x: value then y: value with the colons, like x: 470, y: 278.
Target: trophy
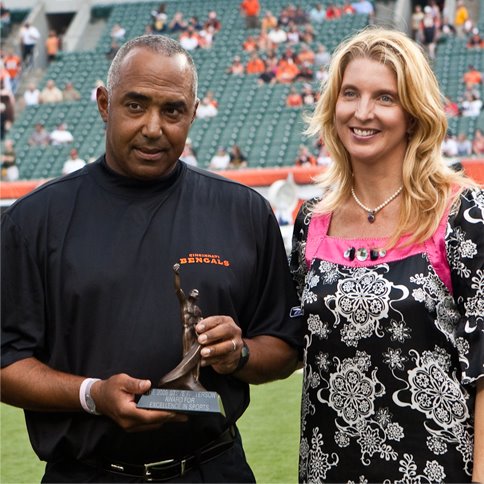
x: 180, y: 389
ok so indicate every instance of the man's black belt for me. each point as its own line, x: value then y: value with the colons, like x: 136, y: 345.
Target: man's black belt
x: 170, y: 468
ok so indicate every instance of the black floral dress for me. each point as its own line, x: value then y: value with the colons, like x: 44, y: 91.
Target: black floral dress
x: 394, y: 346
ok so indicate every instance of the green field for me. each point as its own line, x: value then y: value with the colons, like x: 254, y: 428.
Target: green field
x: 269, y: 428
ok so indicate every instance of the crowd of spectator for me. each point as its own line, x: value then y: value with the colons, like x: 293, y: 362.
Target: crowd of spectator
x: 292, y: 31
x: 59, y: 136
x: 13, y: 65
x: 307, y: 96
x: 191, y: 33
x: 281, y: 49
x: 228, y: 160
x: 461, y: 146
x: 432, y: 24
x: 470, y: 103
x: 207, y: 107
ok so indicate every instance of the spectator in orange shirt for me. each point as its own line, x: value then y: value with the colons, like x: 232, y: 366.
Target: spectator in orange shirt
x: 5, y: 77
x: 251, y: 10
x: 52, y: 45
x: 305, y: 55
x: 286, y: 71
x: 347, y: 8
x: 294, y: 99
x: 13, y: 65
x: 472, y: 77
x: 255, y: 65
x: 250, y: 44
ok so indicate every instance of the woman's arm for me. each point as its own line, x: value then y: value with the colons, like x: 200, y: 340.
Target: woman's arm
x: 478, y: 471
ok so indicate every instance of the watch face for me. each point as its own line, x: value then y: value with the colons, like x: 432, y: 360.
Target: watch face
x: 245, y: 351
x: 90, y: 403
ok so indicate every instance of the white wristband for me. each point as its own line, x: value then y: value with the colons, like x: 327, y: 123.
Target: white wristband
x: 87, y: 403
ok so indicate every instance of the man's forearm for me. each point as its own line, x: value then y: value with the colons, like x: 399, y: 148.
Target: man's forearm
x: 32, y: 385
x: 270, y: 359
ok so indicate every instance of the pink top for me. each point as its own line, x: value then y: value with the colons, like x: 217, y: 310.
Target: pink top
x: 320, y: 245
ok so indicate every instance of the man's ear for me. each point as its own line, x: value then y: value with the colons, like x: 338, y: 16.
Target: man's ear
x: 197, y: 102
x: 102, y: 99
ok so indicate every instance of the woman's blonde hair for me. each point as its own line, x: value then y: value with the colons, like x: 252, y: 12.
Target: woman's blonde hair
x: 428, y: 183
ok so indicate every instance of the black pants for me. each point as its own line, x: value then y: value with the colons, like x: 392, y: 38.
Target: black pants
x: 27, y: 52
x: 229, y: 467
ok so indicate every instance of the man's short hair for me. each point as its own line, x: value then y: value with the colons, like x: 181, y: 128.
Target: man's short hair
x: 157, y: 43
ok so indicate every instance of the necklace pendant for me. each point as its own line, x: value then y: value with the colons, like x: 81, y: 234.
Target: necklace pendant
x: 371, y: 217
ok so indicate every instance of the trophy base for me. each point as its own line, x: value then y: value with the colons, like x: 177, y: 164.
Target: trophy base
x: 183, y: 401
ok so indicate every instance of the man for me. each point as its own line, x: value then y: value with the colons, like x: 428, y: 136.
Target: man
x: 61, y: 135
x: 51, y: 93
x: 29, y: 36
x: 40, y: 136
x: 206, y: 109
x: 9, y: 169
x: 70, y: 93
x: 87, y: 271
x: 317, y: 14
x: 32, y: 95
x: 364, y: 7
x: 73, y: 163
x: 13, y: 65
x: 251, y: 10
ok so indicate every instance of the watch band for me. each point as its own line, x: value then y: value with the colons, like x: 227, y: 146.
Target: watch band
x: 87, y: 403
x: 244, y: 357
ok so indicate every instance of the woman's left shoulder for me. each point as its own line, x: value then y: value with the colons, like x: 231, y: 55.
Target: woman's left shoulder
x: 468, y: 207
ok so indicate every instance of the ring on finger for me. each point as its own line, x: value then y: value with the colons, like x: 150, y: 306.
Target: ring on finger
x: 234, y: 344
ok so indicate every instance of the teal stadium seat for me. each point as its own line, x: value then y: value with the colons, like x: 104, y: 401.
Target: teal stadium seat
x: 254, y: 117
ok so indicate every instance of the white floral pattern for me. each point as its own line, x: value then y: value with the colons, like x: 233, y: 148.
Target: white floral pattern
x: 383, y: 393
x: 362, y: 299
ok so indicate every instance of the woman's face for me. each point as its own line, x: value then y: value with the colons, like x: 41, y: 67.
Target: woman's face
x: 370, y: 120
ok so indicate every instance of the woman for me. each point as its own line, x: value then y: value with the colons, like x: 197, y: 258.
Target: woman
x: 478, y: 143
x: 237, y: 158
x: 389, y: 267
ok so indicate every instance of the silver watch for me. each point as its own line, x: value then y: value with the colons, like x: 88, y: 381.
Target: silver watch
x: 90, y: 404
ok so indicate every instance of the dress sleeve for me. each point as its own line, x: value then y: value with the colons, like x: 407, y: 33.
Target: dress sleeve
x: 464, y: 241
x: 297, y: 258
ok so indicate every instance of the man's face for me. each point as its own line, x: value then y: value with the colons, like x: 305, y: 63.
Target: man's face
x: 148, y: 115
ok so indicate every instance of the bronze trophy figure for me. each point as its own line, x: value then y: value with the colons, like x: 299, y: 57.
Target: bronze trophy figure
x: 180, y: 389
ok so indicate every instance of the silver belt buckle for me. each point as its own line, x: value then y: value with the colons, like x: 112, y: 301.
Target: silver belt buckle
x: 182, y: 467
x: 147, y: 472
